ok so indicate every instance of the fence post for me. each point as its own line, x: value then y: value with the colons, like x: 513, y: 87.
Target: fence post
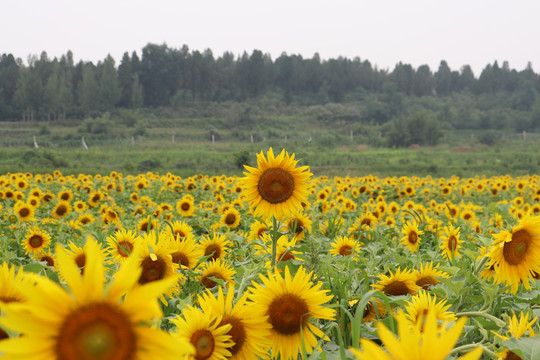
x: 84, y: 146
x: 35, y: 143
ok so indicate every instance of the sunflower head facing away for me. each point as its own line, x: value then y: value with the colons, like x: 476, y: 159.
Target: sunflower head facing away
x: 276, y: 187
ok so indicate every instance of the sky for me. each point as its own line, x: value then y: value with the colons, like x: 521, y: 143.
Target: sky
x: 385, y: 32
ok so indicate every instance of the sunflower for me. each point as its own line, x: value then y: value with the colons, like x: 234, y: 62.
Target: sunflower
x: 205, y: 333
x: 249, y: 331
x: 78, y: 254
x: 284, y: 249
x: 514, y: 254
x: 181, y: 230
x: 33, y: 201
x: 344, y: 246
x: 427, y: 276
x: 257, y: 229
x: 155, y: 260
x: 290, y: 303
x: 36, y: 240
x: 10, y: 292
x: 94, y: 198
x: 65, y: 195
x: 24, y: 211
x: 61, y: 209
x: 231, y: 218
x: 122, y: 244
x: 215, y: 246
x: 412, y: 236
x: 91, y: 320
x: 421, y: 303
x: 450, y: 244
x: 110, y: 217
x: 146, y: 225
x: 85, y: 218
x: 47, y: 257
x: 516, y: 329
x: 400, y: 283
x: 298, y: 225
x: 276, y: 187
x: 216, y: 270
x: 185, y: 253
x: 374, y: 309
x: 185, y: 206
x: 434, y: 343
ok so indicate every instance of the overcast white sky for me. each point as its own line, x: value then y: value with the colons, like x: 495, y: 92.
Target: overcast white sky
x: 474, y: 32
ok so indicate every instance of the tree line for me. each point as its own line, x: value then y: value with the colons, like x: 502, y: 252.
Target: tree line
x: 162, y: 76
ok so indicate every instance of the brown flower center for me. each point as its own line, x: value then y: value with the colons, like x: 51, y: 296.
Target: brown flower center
x: 61, y: 210
x: 261, y: 231
x: 80, y: 260
x: 515, y: 251
x: 230, y: 219
x: 125, y: 248
x: 49, y: 260
x: 35, y: 241
x: 24, y: 212
x: 427, y: 281
x: 152, y: 270
x: 452, y: 243
x: 237, y: 333
x: 345, y: 250
x: 209, y: 283
x: 185, y: 206
x: 276, y: 185
x: 96, y: 332
x: 180, y: 258
x: 288, y: 314
x: 214, y: 250
x: 413, y: 237
x: 396, y: 288
x: 204, y: 343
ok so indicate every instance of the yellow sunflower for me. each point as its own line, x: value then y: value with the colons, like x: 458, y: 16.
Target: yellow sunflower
x: 216, y: 270
x: 427, y: 276
x: 181, y: 230
x: 10, y: 280
x: 36, y: 240
x: 249, y: 331
x: 85, y: 219
x: 451, y: 243
x: 231, y: 218
x: 434, y: 343
x: 216, y: 246
x: 344, y: 246
x: 257, y: 229
x: 185, y: 206
x: 208, y: 337
x: 375, y: 309
x: 290, y: 303
x: 24, y: 211
x: 514, y: 254
x: 185, y: 253
x: 61, y: 209
x: 276, y: 187
x: 47, y: 257
x: 412, y: 236
x: 121, y: 244
x: 145, y: 225
x: 91, y: 320
x: 516, y: 329
x: 421, y: 303
x: 299, y: 224
x: 400, y: 283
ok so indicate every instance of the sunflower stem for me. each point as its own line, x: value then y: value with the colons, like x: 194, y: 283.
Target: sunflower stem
x: 497, y: 321
x: 467, y: 347
x: 275, y: 238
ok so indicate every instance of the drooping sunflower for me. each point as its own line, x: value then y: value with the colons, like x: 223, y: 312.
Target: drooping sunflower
x: 412, y: 236
x: 421, y: 303
x: 451, y: 243
x: 514, y: 254
x: 400, y: 283
x: 249, y: 332
x: 211, y: 271
x: 121, y: 245
x: 427, y: 276
x: 231, y: 218
x: 257, y: 229
x: 217, y: 246
x: 203, y: 330
x: 344, y: 246
x: 90, y: 320
x: 290, y: 303
x: 434, y: 343
x: 276, y: 187
x: 36, y: 240
x: 61, y: 209
x: 24, y: 211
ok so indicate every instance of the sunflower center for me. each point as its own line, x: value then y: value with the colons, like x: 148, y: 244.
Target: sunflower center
x: 230, y: 219
x: 80, y: 260
x: 209, y: 283
x: 180, y: 258
x: 452, y: 243
x: 396, y: 288
x: 512, y: 356
x: 35, y: 241
x: 514, y: 251
x: 288, y: 314
x: 64, y: 196
x: 426, y: 281
x: 24, y: 212
x: 237, y: 333
x: 124, y: 248
x: 96, y: 332
x: 413, y: 237
x: 203, y: 341
x: 345, y: 250
x: 61, y: 210
x: 185, y: 206
x: 180, y: 234
x: 276, y: 185
x: 214, y: 250
x: 3, y: 335
x: 261, y: 231
x: 299, y: 226
x: 49, y: 260
x: 152, y: 270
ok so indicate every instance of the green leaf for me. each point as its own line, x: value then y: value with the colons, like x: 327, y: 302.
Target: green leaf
x: 34, y: 267
x: 528, y: 348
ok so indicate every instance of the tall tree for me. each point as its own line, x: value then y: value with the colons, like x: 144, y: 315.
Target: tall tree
x: 108, y: 85
x: 89, y: 94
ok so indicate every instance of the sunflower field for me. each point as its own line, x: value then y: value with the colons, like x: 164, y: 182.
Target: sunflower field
x: 275, y: 264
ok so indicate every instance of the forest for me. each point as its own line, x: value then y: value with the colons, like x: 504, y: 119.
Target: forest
x: 421, y: 102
